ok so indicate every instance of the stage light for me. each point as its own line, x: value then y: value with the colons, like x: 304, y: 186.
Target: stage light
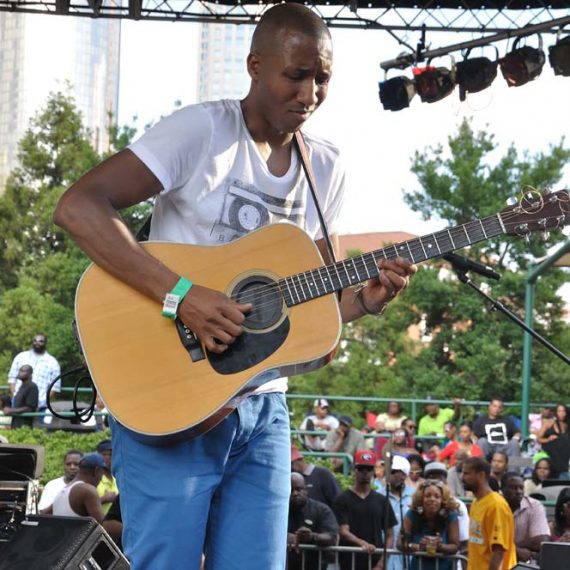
x: 523, y: 64
x: 475, y: 74
x: 396, y: 93
x: 559, y: 57
x: 434, y: 83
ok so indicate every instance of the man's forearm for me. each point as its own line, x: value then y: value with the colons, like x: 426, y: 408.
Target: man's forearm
x: 496, y: 558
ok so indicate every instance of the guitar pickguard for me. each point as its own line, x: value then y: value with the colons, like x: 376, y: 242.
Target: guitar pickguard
x: 249, y: 349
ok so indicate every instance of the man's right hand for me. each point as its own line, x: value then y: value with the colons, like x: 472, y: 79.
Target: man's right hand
x: 214, y: 318
x: 367, y: 547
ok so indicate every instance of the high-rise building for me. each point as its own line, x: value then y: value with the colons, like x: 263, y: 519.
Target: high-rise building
x: 40, y: 54
x: 222, y: 72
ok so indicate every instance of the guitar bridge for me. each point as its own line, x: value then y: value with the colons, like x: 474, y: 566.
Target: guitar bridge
x: 190, y: 341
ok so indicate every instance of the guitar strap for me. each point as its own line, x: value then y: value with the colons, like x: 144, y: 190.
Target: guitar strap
x: 308, y: 169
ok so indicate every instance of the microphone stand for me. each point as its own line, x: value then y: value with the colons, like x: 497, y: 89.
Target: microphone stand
x: 465, y: 265
x: 387, y: 474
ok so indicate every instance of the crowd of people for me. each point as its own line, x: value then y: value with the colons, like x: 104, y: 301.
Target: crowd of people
x: 451, y: 493
x: 87, y: 488
x: 32, y: 374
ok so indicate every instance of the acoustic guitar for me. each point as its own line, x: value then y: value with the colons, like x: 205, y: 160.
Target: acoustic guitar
x: 139, y: 359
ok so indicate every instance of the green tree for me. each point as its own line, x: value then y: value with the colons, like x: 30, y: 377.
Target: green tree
x: 39, y: 264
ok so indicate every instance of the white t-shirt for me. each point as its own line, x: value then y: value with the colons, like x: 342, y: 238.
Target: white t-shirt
x: 217, y: 186
x: 50, y: 492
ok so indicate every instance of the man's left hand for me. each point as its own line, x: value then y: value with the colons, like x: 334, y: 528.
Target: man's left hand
x: 394, y: 277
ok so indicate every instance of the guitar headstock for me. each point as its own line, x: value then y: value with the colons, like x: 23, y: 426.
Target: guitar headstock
x: 536, y: 211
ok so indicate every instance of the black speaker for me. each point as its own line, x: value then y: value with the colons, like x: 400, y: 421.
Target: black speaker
x: 554, y: 555
x: 61, y: 543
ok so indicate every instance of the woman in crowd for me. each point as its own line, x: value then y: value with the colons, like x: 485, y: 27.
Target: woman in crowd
x: 542, y: 470
x: 431, y: 526
x: 554, y: 428
x: 417, y: 464
x: 560, y: 529
x: 554, y: 440
x: 464, y: 442
x: 392, y: 420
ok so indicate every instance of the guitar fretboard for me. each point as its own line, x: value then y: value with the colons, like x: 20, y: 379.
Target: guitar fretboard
x: 302, y: 287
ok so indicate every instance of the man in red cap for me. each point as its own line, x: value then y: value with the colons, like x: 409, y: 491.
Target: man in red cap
x: 362, y: 514
x: 321, y: 483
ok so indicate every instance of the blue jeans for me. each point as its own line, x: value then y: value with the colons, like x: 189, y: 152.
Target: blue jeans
x: 225, y: 493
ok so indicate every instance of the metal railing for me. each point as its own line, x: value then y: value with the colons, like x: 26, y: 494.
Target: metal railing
x: 311, y: 557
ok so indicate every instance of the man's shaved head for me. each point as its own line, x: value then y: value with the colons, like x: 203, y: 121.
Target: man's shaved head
x: 289, y: 16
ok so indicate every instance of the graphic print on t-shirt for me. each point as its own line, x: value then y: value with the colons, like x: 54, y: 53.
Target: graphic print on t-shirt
x: 475, y: 532
x: 245, y: 208
x: 497, y: 433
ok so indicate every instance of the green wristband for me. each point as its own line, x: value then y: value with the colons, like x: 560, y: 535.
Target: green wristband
x: 175, y: 297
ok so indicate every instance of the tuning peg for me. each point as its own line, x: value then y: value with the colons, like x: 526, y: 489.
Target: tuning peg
x: 545, y: 236
x: 527, y: 238
x: 512, y: 201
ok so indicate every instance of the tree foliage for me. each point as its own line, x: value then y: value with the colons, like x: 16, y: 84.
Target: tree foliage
x: 461, y: 347
x: 39, y: 264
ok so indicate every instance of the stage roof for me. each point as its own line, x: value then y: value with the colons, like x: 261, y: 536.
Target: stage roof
x: 484, y: 17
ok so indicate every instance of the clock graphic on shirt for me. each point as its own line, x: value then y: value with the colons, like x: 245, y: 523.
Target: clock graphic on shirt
x: 248, y: 215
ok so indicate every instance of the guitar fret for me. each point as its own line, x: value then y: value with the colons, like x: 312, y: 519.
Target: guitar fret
x: 366, y: 266
x: 344, y: 266
x: 429, y: 242
x: 501, y: 223
x: 411, y: 254
x: 285, y: 292
x: 436, y: 243
x: 466, y: 234
x: 322, y: 281
x: 310, y: 284
x: 294, y: 290
x: 356, y: 278
x: 301, y: 287
x: 451, y: 238
x: 423, y: 248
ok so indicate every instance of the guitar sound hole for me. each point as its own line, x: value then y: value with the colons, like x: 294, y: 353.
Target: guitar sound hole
x: 263, y: 292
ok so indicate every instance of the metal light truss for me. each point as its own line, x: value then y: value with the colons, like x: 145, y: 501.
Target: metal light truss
x: 493, y: 16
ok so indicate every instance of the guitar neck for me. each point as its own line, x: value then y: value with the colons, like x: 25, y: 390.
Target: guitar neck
x: 302, y: 287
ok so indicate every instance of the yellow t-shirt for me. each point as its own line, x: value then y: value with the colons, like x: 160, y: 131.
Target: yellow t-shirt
x: 491, y: 522
x: 107, y: 484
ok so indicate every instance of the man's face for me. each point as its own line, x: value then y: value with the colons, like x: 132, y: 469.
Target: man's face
x: 107, y: 456
x: 364, y: 474
x: 321, y: 412
x: 299, y: 495
x: 71, y: 466
x: 290, y: 79
x: 495, y: 408
x: 25, y: 373
x: 39, y: 343
x: 514, y: 492
x: 498, y: 463
x: 344, y: 428
x: 397, y: 479
x: 432, y: 409
x: 98, y: 473
x: 297, y: 466
x: 470, y: 478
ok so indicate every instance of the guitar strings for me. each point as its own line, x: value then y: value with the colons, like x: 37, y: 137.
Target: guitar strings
x: 359, y: 263
x: 258, y: 293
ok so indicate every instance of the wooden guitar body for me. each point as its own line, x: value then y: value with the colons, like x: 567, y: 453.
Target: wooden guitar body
x: 140, y: 364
